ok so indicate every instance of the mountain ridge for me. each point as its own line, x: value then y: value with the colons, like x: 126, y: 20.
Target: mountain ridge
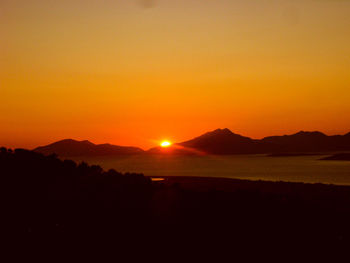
x: 216, y: 142
x: 71, y: 148
x: 224, y: 141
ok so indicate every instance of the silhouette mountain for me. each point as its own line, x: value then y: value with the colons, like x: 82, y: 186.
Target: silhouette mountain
x: 218, y: 142
x: 223, y: 141
x: 70, y: 148
x: 310, y: 142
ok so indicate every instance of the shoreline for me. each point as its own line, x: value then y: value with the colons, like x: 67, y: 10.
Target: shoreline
x: 231, y: 184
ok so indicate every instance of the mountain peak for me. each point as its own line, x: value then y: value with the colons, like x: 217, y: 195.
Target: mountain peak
x: 221, y: 131
x: 70, y: 147
x: 310, y: 133
x: 219, y: 141
x: 64, y: 141
x: 86, y: 141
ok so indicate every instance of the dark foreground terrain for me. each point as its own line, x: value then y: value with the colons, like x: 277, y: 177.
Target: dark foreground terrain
x: 54, y: 203
x: 338, y: 157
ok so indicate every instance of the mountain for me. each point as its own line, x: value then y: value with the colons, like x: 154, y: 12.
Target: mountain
x: 309, y: 142
x: 223, y: 141
x: 218, y: 142
x: 70, y: 148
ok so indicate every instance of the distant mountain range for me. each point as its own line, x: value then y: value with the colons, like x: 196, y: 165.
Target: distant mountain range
x: 223, y: 141
x: 219, y: 142
x: 71, y: 148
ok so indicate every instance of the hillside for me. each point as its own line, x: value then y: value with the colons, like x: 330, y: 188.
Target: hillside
x: 71, y: 148
x: 224, y: 141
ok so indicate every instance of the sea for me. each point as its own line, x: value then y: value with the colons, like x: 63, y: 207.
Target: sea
x: 306, y: 169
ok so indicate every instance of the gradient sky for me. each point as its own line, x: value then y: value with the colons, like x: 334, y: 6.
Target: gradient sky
x: 133, y: 72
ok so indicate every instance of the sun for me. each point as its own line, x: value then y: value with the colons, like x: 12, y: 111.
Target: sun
x: 165, y: 144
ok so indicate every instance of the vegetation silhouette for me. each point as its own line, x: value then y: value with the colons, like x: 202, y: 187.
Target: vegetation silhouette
x: 59, y: 201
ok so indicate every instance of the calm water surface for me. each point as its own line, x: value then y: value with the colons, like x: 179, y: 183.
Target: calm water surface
x: 307, y: 169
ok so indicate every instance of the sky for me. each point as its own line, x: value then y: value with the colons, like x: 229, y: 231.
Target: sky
x: 135, y: 72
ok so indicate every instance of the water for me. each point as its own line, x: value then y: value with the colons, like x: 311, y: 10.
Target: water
x: 308, y: 169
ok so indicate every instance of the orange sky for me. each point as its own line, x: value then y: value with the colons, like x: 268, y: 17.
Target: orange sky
x: 136, y: 72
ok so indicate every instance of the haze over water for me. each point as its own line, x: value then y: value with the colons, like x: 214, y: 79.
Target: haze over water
x: 307, y: 169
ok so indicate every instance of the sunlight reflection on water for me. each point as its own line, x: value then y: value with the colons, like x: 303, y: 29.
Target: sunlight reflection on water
x: 255, y: 167
x: 157, y: 179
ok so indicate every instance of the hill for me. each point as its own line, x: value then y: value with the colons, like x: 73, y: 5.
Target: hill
x: 217, y: 142
x: 309, y: 142
x: 224, y: 141
x: 71, y: 148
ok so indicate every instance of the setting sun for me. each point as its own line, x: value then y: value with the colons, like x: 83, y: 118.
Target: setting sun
x: 165, y: 144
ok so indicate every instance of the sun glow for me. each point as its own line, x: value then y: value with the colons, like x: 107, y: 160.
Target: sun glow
x: 165, y: 144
